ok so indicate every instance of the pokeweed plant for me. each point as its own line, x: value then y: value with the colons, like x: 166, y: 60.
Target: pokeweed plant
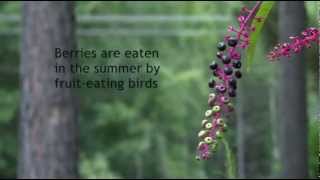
x: 223, y: 82
x: 296, y: 45
x: 226, y: 70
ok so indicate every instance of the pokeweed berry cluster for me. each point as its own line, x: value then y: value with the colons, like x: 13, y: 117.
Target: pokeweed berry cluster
x: 296, y: 45
x: 223, y: 82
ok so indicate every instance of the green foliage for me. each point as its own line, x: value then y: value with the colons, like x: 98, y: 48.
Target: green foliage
x: 313, y: 134
x: 263, y: 12
x: 313, y: 148
x: 230, y: 161
x: 96, y: 169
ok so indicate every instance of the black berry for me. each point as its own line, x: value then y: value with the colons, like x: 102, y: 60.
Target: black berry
x: 236, y: 64
x: 232, y: 41
x: 219, y: 54
x: 227, y: 70
x: 211, y: 83
x: 213, y: 65
x: 221, y: 46
x: 233, y: 83
x: 232, y: 93
x: 238, y: 74
x: 226, y: 59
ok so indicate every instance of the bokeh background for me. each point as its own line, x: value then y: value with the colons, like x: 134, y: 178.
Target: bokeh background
x: 152, y: 133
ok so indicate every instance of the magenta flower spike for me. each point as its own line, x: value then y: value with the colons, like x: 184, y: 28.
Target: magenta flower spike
x: 223, y: 84
x: 296, y: 44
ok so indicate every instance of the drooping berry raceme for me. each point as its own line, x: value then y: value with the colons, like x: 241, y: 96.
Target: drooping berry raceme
x: 296, y: 45
x: 223, y: 82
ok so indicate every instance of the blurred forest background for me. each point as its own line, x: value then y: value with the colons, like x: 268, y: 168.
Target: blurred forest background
x: 152, y: 133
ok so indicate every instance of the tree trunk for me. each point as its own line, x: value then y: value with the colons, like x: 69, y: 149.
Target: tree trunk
x: 292, y: 84
x: 274, y: 114
x: 48, y: 127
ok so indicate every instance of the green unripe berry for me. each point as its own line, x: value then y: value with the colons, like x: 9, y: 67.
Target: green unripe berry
x: 208, y: 125
x: 230, y: 106
x: 201, y: 143
x: 220, y: 121
x: 202, y: 133
x: 197, y: 158
x: 211, y: 99
x: 216, y: 109
x: 212, y: 95
x: 208, y: 140
x: 204, y: 122
x: 208, y: 113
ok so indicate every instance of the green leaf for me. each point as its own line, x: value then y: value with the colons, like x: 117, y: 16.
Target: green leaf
x: 262, y: 12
